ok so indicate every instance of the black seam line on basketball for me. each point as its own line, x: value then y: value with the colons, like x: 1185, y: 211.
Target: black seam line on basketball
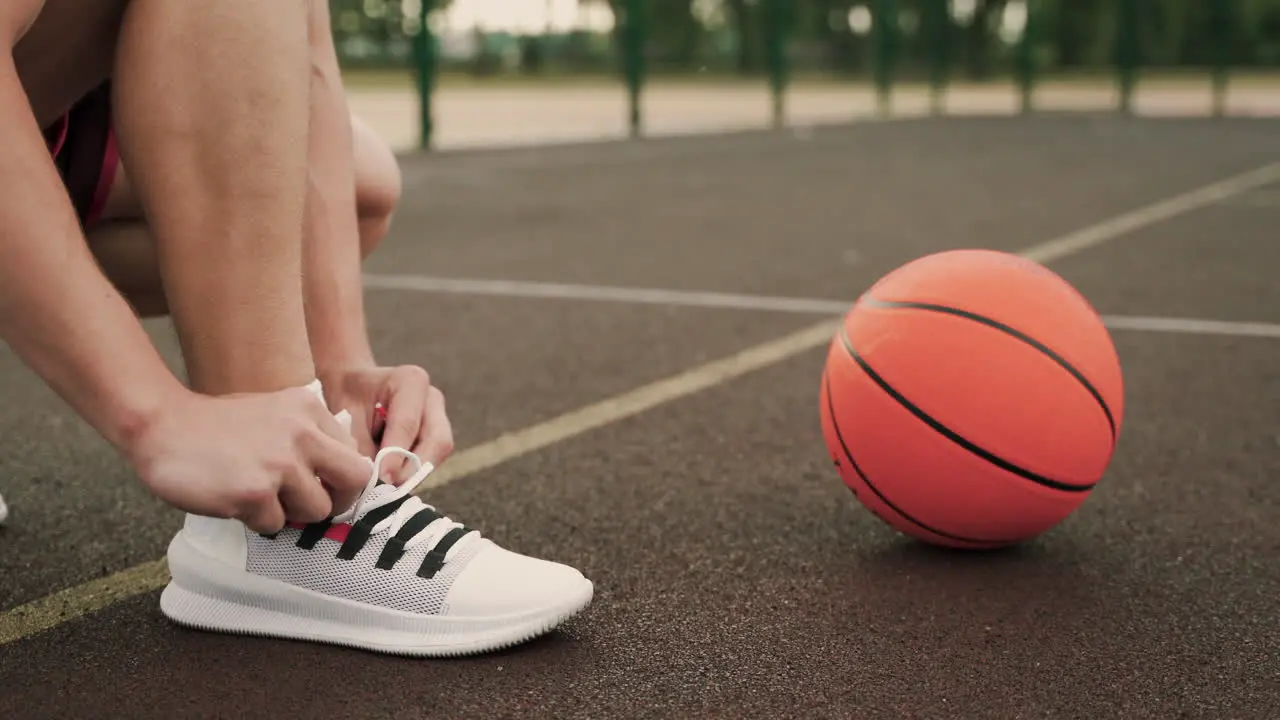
x: 951, y: 434
x: 394, y: 549
x: 848, y: 455
x: 434, y: 561
x: 312, y: 533
x: 1012, y: 332
x: 363, y: 528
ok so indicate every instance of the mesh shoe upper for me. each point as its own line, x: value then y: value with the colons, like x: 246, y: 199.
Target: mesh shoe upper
x: 331, y: 558
x: 389, y: 549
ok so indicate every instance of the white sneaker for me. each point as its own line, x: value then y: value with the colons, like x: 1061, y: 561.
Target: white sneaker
x: 4, y: 510
x: 391, y: 575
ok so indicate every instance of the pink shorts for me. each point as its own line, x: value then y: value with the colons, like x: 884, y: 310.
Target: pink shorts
x: 83, y: 147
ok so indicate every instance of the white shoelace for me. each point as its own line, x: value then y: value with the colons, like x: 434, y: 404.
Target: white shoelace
x: 412, y: 506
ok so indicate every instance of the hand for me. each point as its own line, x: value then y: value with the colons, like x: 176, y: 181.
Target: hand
x: 263, y: 459
x: 415, y: 413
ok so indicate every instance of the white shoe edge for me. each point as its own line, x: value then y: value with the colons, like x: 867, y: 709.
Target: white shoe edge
x: 211, y: 595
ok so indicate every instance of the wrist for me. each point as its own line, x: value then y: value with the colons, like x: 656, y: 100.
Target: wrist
x: 132, y: 418
x: 341, y: 375
x: 332, y: 362
x: 338, y: 337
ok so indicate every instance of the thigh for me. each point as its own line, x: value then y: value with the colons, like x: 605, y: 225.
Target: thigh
x: 66, y: 52
x: 63, y: 59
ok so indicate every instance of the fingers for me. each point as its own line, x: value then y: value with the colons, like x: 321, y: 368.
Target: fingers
x: 330, y: 426
x: 437, y: 439
x: 305, y: 499
x: 363, y: 433
x: 342, y: 468
x: 406, y: 408
x: 266, y: 517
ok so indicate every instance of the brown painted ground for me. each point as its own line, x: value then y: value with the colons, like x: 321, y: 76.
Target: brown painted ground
x: 735, y: 576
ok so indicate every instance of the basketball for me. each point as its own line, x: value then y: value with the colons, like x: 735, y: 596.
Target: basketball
x: 972, y: 399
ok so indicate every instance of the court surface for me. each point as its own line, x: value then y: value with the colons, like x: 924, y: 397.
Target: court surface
x: 735, y: 575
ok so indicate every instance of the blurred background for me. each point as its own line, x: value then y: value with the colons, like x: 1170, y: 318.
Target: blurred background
x: 450, y: 73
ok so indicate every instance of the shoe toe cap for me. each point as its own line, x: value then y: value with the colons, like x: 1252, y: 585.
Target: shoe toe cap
x: 501, y: 582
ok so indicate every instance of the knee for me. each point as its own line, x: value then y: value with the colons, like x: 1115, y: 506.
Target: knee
x: 376, y: 203
x: 378, y: 187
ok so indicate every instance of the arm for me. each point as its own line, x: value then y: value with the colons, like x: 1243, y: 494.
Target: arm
x: 57, y: 310
x: 416, y: 417
x: 332, y: 277
x: 332, y: 282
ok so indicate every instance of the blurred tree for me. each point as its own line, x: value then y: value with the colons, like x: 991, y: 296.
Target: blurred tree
x: 1257, y: 32
x: 827, y: 23
x: 746, y: 18
x: 690, y: 35
x: 980, y: 36
x: 676, y: 36
x: 1072, y: 29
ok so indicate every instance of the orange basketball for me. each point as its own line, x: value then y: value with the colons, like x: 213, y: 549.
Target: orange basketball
x: 972, y: 399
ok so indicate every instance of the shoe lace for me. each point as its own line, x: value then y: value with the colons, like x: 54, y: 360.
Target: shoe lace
x: 409, y: 504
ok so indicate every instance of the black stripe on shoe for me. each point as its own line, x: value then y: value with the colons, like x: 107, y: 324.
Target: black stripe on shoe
x: 363, y: 528
x: 434, y: 560
x: 394, y: 549
x: 312, y: 533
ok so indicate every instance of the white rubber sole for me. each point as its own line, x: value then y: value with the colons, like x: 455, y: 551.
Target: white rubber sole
x: 210, y: 595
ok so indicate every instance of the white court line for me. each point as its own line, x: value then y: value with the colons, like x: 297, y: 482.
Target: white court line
x: 644, y: 296
x: 66, y: 605
x: 1086, y: 238
x: 763, y: 303
x: 1192, y: 326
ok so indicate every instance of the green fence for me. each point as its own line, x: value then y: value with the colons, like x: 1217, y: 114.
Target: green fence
x: 885, y: 44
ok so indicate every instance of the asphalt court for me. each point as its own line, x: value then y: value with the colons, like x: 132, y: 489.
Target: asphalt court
x: 708, y: 213
x: 735, y: 576
x: 1207, y: 264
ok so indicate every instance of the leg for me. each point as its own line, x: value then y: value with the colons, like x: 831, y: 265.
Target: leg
x: 193, y: 82
x: 126, y: 249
